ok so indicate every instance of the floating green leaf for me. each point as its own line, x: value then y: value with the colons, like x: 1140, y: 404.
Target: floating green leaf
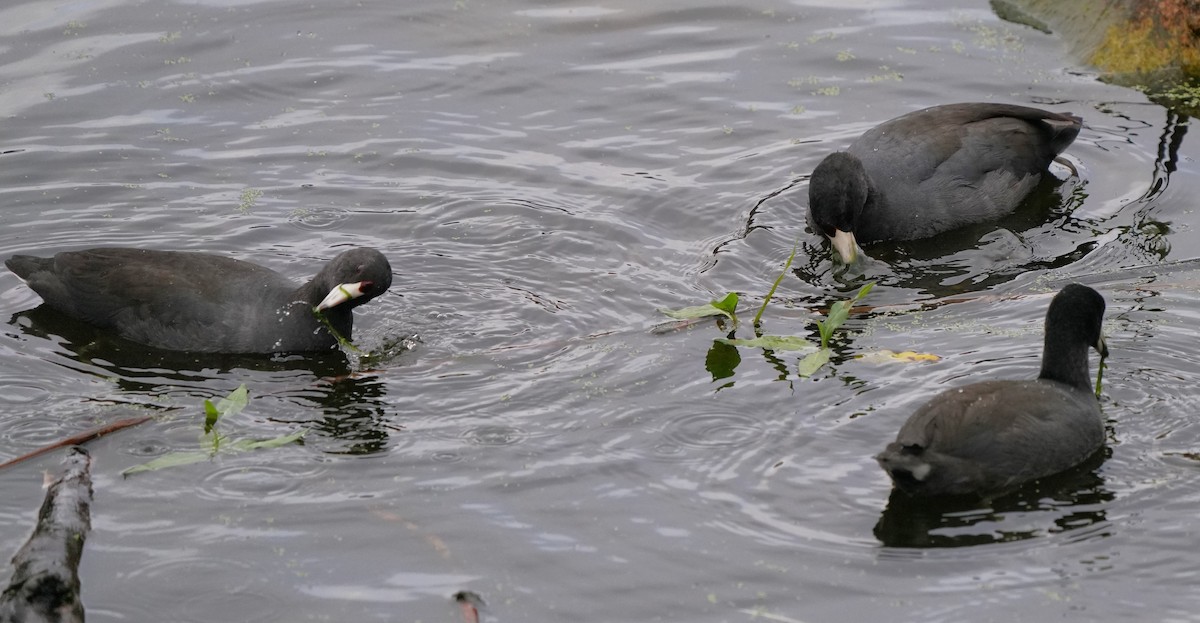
x: 728, y: 304
x: 173, y: 459
x: 211, y: 413
x: 235, y: 402
x: 232, y: 404
x: 229, y: 405
x: 772, y: 342
x: 724, y: 307
x: 282, y: 440
x: 813, y: 362
x: 838, y: 313
x: 695, y: 311
x: 342, y: 341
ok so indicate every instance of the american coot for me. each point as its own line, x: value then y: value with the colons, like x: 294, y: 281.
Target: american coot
x: 934, y: 170
x: 990, y: 436
x: 199, y: 302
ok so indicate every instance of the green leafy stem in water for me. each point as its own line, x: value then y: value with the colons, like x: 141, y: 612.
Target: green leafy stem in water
x: 727, y: 306
x: 775, y: 286
x: 838, y: 313
x: 819, y: 355
x: 216, y: 442
x: 342, y: 341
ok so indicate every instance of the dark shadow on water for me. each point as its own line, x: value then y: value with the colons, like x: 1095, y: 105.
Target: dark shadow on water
x: 1149, y: 237
x: 1069, y: 501
x: 132, y: 365
x: 353, y: 413
x: 351, y: 402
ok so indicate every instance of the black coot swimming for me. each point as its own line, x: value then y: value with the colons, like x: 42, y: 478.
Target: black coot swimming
x: 207, y: 303
x: 934, y: 170
x: 991, y: 436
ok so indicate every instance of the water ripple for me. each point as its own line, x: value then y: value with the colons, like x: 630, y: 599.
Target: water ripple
x: 316, y: 219
x: 213, y: 597
x: 256, y: 482
x: 710, y: 430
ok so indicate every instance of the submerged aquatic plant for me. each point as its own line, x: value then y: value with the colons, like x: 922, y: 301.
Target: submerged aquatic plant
x: 341, y: 340
x: 226, y: 407
x: 775, y: 285
x: 838, y: 313
x: 820, y: 353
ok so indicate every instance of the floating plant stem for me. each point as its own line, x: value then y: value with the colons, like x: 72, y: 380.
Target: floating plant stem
x: 343, y: 342
x: 229, y: 406
x: 838, y: 312
x: 782, y: 273
x: 725, y: 307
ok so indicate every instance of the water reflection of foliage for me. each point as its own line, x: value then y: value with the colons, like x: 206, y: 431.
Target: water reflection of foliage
x: 721, y: 361
x: 1071, y: 500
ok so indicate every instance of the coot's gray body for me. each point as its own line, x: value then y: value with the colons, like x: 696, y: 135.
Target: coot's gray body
x: 990, y: 436
x: 207, y: 303
x: 935, y: 170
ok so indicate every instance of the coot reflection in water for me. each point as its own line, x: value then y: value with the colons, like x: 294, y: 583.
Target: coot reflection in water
x: 1067, y: 501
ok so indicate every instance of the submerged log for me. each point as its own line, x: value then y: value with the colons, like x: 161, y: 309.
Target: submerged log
x: 45, y: 582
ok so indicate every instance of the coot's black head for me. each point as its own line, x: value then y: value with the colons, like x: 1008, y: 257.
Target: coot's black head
x: 837, y: 193
x: 353, y: 278
x: 1076, y: 314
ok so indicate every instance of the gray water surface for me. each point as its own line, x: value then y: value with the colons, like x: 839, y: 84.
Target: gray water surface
x: 544, y: 177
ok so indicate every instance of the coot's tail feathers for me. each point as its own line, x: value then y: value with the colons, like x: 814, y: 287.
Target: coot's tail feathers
x: 25, y: 265
x: 1064, y: 127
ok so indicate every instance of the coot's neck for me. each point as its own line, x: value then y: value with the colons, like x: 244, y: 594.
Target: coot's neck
x: 1066, y: 361
x: 874, y: 203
